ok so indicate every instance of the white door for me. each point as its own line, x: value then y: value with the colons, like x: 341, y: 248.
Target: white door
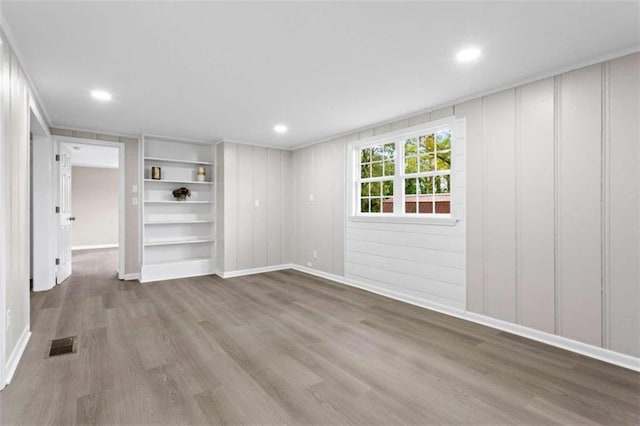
x: 65, y: 217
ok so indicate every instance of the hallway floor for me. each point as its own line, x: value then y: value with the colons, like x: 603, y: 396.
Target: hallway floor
x: 288, y: 348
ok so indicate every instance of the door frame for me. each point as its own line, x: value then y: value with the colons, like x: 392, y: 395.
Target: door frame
x: 121, y: 191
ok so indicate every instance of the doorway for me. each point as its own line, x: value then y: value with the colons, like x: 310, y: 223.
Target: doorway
x: 90, y: 191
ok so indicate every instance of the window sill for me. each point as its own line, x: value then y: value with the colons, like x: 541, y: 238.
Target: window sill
x: 436, y: 221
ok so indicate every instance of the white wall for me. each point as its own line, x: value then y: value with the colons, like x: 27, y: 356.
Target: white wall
x: 422, y: 262
x: 255, y: 192
x: 14, y: 217
x: 552, y: 199
x: 95, y: 205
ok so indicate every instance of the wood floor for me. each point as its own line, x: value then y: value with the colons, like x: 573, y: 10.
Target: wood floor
x: 288, y: 348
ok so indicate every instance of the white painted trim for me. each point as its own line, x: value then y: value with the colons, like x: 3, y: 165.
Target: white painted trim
x: 252, y: 271
x: 91, y: 166
x: 94, y: 246
x: 16, y: 355
x: 122, y: 193
x: 601, y: 354
x: 405, y: 218
x: 453, y: 103
x: 131, y: 277
x: 281, y: 148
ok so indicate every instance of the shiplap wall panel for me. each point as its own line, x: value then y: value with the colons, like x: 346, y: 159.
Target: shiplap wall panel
x: 220, y: 203
x: 338, y: 163
x: 579, y: 208
x: 499, y: 199
x: 287, y: 208
x: 473, y: 113
x: 230, y: 204
x: 623, y: 186
x: 260, y: 175
x: 322, y: 224
x: 256, y: 236
x: 275, y: 207
x: 244, y: 207
x: 536, y: 204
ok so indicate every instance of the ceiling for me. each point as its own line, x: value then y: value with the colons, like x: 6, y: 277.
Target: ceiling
x: 212, y: 70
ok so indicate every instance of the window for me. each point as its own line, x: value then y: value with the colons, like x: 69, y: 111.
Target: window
x: 405, y: 176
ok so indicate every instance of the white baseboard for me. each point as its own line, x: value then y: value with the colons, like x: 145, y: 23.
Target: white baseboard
x: 94, y: 246
x: 131, y: 277
x: 252, y: 271
x: 16, y: 354
x: 591, y: 351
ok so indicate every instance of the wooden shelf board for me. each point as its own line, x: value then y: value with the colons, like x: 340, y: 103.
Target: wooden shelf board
x: 171, y: 160
x: 176, y: 222
x: 177, y: 242
x: 176, y: 202
x: 178, y: 181
x: 188, y: 260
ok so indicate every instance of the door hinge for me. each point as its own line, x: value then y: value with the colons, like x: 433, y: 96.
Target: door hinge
x: 57, y: 209
x: 57, y: 157
x: 57, y: 260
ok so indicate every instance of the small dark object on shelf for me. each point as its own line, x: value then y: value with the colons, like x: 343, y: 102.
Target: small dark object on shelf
x: 182, y: 193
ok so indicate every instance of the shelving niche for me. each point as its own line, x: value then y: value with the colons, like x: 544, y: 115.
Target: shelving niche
x: 178, y: 237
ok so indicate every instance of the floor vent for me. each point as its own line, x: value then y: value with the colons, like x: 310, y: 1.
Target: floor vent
x: 66, y: 345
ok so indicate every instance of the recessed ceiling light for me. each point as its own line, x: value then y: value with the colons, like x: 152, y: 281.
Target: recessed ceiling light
x: 280, y: 128
x: 101, y: 95
x: 467, y: 55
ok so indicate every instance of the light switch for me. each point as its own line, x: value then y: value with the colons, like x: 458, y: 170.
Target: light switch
x: 134, y: 188
x: 257, y: 203
x: 134, y: 201
x: 311, y: 198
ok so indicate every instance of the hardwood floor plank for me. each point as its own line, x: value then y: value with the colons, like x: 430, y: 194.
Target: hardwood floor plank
x: 288, y: 348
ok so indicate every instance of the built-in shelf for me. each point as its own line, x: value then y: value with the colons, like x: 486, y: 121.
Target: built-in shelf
x: 176, y: 202
x: 177, y: 242
x: 176, y: 222
x: 178, y: 181
x: 181, y: 261
x: 171, y: 160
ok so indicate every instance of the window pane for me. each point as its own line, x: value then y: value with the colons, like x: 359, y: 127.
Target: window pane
x: 387, y: 205
x: 365, y: 155
x: 390, y: 152
x: 442, y: 184
x: 389, y: 169
x: 364, y: 205
x: 410, y: 186
x: 376, y: 153
x: 365, y: 171
x: 376, y: 169
x: 364, y: 189
x: 387, y: 187
x: 410, y: 147
x: 426, y: 144
x: 444, y: 160
x: 443, y: 139
x: 427, y: 163
x: 376, y: 189
x: 411, y: 165
x: 375, y: 205
x: 425, y: 185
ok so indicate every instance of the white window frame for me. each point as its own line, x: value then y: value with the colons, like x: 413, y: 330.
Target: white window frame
x: 398, y: 137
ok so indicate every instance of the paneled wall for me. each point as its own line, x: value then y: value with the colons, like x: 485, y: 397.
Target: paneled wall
x: 14, y: 215
x: 131, y: 179
x: 255, y: 199
x: 552, y: 201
